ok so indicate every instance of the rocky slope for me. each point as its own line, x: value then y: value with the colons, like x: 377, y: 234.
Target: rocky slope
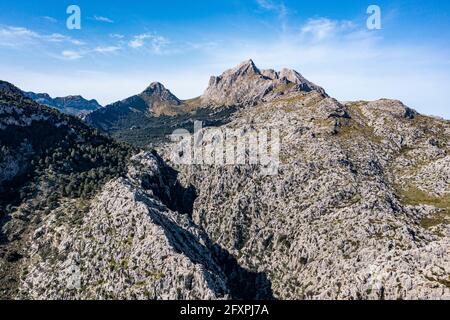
x: 76, y: 224
x: 128, y: 245
x: 45, y: 157
x: 359, y: 208
x: 73, y: 105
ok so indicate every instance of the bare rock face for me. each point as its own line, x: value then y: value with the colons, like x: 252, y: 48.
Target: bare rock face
x: 247, y: 85
x: 128, y: 245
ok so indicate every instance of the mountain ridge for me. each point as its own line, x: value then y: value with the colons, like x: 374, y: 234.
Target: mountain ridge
x: 159, y: 110
x: 74, y: 105
x: 246, y: 84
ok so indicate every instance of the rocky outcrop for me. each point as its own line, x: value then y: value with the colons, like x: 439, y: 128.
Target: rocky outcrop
x: 247, y: 85
x: 128, y: 245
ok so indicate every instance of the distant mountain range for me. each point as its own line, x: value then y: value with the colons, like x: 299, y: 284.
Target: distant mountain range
x: 73, y: 105
x: 156, y: 112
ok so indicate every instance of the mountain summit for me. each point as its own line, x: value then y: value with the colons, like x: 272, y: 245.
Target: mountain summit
x: 133, y: 112
x: 156, y: 92
x: 248, y: 85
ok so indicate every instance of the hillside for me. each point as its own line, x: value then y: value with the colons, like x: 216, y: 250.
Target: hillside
x: 46, y: 158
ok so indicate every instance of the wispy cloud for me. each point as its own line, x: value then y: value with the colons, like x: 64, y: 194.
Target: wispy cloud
x: 154, y: 42
x: 322, y: 28
x: 71, y: 55
x: 19, y: 36
x: 50, y: 19
x: 80, y: 54
x: 116, y: 36
x: 107, y: 49
x: 272, y: 5
x: 103, y: 19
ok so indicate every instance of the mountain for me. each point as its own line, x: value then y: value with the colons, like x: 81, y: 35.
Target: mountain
x: 246, y: 84
x: 9, y: 88
x: 358, y: 207
x: 354, y: 205
x: 48, y: 160
x: 84, y: 217
x: 73, y: 105
x: 151, y: 116
x: 155, y: 100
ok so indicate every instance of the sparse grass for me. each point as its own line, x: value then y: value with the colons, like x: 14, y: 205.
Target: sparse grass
x: 155, y: 275
x: 284, y: 87
x: 291, y: 99
x: 414, y: 197
x: 445, y: 282
x: 192, y: 104
x: 436, y: 220
x: 352, y: 129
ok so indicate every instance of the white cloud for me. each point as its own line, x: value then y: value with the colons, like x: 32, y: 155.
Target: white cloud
x: 108, y: 49
x: 103, y: 19
x: 18, y: 36
x: 322, y: 28
x: 71, y: 55
x: 50, y: 19
x: 116, y: 36
x: 153, y: 41
x: 272, y: 5
x: 136, y: 43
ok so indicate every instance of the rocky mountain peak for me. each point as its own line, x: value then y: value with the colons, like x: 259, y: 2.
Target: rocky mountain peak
x: 156, y: 90
x: 292, y: 76
x: 248, y: 85
x: 244, y: 69
x: 155, y: 87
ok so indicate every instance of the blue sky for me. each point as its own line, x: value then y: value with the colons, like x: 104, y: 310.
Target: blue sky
x: 125, y: 45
